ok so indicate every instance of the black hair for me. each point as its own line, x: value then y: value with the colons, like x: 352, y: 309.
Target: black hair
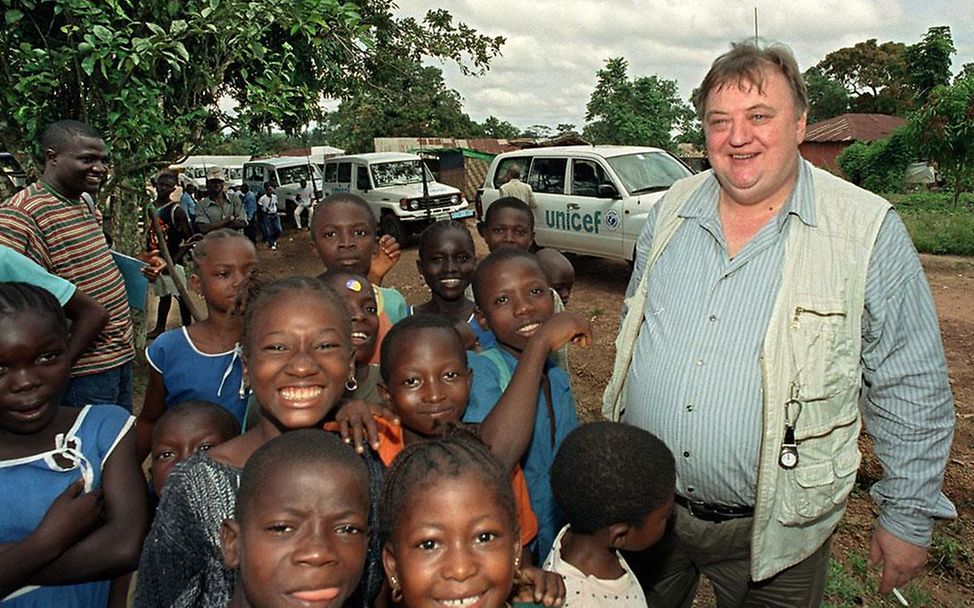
x: 343, y: 198
x: 244, y: 187
x: 498, y: 256
x: 168, y: 176
x: 202, y: 248
x: 17, y: 298
x: 608, y: 473
x: 226, y: 423
x: 434, y: 230
x: 60, y: 133
x: 457, y: 452
x: 257, y: 294
x: 404, y: 330
x: 508, y: 202
x: 290, y: 451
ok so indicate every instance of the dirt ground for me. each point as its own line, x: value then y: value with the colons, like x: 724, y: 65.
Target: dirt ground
x: 949, y: 579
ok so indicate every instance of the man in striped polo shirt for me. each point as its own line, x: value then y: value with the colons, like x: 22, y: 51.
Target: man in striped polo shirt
x: 51, y: 224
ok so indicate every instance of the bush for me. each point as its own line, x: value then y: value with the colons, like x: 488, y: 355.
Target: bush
x: 879, y: 166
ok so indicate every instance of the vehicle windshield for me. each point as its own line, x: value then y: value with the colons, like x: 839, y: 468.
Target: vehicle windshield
x: 647, y: 171
x: 295, y: 173
x: 399, y: 173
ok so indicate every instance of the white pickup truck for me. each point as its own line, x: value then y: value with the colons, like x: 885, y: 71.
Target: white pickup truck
x: 399, y: 188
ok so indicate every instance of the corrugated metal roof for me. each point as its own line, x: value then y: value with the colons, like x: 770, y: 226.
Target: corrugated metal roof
x: 853, y: 127
x: 404, y: 144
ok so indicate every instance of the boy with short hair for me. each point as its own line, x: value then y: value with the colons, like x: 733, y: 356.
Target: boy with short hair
x: 343, y: 233
x: 508, y: 222
x: 183, y: 430
x: 514, y: 300
x: 559, y: 270
x: 615, y: 484
x: 315, y: 492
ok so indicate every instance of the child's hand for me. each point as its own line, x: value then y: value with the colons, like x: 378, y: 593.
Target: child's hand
x: 563, y: 328
x: 539, y: 586
x: 385, y: 257
x: 355, y: 419
x: 72, y: 516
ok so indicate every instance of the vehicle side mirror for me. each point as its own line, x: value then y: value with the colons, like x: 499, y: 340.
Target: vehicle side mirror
x: 608, y: 191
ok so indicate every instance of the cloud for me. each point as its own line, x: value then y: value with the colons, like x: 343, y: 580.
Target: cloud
x: 555, y: 47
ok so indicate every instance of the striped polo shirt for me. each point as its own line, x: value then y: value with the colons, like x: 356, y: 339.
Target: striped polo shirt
x: 63, y: 236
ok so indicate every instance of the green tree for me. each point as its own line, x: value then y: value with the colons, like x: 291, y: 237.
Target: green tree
x: 408, y: 100
x: 826, y: 97
x: 643, y: 111
x: 499, y: 129
x: 966, y: 71
x: 156, y: 77
x: 928, y: 62
x: 874, y: 75
x: 943, y: 132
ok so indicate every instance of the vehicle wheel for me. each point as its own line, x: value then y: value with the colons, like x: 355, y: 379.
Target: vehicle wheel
x: 390, y: 224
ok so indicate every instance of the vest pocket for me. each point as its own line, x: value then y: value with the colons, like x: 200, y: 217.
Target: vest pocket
x: 820, y: 483
x: 824, y: 354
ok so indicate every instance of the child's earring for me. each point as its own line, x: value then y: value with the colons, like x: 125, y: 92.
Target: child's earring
x: 396, y: 589
x: 351, y: 385
x: 517, y: 567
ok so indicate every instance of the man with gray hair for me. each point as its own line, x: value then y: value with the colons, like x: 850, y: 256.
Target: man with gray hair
x: 516, y: 188
x: 772, y: 310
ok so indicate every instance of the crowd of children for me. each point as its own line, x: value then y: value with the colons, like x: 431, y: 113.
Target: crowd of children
x: 470, y: 468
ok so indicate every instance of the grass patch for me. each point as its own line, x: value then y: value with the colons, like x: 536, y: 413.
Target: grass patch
x: 935, y: 224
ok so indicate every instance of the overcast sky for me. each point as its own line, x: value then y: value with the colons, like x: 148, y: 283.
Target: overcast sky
x: 555, y: 47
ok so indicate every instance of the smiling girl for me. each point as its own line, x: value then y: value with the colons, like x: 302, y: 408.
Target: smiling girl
x: 298, y: 358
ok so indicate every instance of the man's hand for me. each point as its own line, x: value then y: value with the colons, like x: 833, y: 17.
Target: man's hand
x: 901, y: 560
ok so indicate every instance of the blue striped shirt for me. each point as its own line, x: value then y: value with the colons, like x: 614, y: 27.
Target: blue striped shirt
x: 696, y: 376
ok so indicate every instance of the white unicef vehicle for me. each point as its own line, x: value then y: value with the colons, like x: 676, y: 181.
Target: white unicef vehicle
x: 399, y: 188
x: 590, y: 200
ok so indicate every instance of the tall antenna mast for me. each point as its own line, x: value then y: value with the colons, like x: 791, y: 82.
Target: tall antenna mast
x: 755, y: 25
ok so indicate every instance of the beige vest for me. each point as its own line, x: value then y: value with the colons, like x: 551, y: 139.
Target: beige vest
x: 811, y: 349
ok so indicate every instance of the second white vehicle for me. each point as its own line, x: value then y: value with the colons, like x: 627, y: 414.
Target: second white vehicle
x: 399, y: 188
x: 591, y: 200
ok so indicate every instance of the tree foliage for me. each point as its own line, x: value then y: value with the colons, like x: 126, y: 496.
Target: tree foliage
x: 928, y: 62
x: 943, y: 132
x: 879, y: 165
x: 499, y: 129
x: 873, y: 74
x: 157, y: 77
x: 826, y: 97
x: 406, y: 100
x: 644, y: 111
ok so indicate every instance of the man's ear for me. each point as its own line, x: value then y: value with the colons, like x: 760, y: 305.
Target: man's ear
x: 618, y: 534
x: 229, y: 543
x: 481, y: 228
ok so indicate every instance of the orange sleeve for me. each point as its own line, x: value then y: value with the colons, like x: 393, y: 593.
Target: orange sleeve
x: 526, y: 518
x: 391, y: 440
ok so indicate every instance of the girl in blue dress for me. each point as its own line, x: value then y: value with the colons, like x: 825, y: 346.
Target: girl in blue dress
x: 72, y: 497
x: 202, y: 362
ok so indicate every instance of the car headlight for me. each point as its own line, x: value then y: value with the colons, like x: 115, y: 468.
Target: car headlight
x: 413, y: 205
